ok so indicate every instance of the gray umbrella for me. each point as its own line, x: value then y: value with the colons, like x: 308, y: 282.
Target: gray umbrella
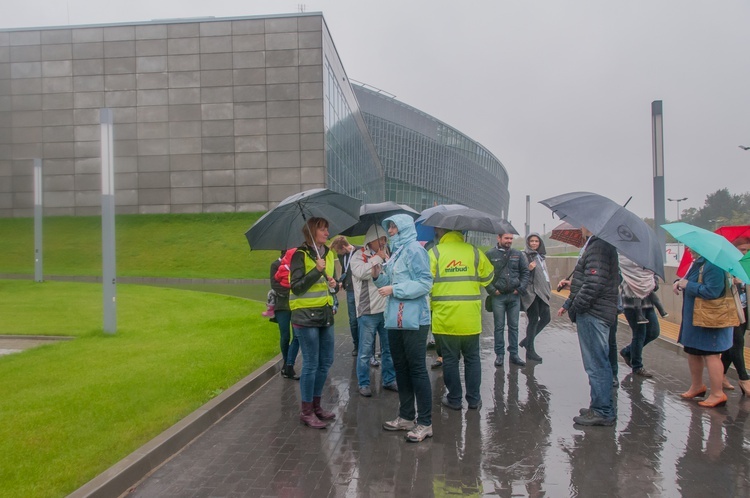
x: 612, y: 223
x: 281, y: 227
x: 468, y: 219
x: 374, y: 214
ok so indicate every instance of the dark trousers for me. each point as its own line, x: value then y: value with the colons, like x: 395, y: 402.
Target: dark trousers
x: 736, y: 354
x: 643, y: 333
x: 351, y: 308
x: 538, y: 318
x: 408, y: 349
x: 454, y: 346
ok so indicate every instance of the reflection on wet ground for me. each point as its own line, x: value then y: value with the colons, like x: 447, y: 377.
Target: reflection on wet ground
x: 521, y: 443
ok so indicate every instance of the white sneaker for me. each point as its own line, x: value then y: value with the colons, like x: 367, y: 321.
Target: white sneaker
x: 400, y: 424
x: 419, y: 433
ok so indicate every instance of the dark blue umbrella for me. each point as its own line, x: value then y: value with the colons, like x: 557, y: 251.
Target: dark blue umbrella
x: 612, y: 223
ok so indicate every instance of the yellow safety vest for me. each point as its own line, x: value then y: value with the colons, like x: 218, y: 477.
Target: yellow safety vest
x: 459, y: 271
x: 318, y: 295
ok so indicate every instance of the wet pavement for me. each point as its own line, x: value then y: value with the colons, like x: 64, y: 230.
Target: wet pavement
x: 521, y: 443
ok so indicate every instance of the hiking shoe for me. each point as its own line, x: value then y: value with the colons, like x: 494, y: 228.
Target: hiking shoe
x: 593, y: 418
x: 626, y: 357
x: 450, y: 405
x: 374, y: 362
x: 391, y: 387
x: 399, y: 424
x: 365, y: 391
x: 499, y: 361
x: 584, y: 411
x: 642, y: 372
x: 418, y: 433
x: 516, y: 360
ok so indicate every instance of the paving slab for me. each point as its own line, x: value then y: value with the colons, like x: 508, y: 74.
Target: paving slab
x: 521, y: 443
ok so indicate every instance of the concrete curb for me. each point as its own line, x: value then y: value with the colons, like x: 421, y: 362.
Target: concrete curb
x: 128, y: 472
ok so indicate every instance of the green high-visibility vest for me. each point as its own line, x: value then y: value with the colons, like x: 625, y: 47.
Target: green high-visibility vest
x: 318, y: 295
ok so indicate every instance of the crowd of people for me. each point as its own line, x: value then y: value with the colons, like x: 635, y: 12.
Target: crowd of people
x: 398, y: 292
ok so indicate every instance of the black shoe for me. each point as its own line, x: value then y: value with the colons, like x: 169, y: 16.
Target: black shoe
x: 516, y: 360
x: 476, y: 406
x: 354, y: 352
x: 499, y: 361
x: 450, y: 405
x: 431, y: 345
x: 626, y: 357
x: 531, y: 355
x: 522, y: 343
x: 593, y: 418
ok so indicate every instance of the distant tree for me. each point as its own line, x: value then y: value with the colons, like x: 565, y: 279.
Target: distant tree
x: 720, y: 208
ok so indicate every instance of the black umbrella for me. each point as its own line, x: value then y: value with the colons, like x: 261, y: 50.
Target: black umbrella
x: 612, y: 223
x: 468, y: 219
x: 374, y: 214
x: 281, y: 227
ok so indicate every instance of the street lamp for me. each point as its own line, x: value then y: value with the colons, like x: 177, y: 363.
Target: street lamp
x: 678, y: 201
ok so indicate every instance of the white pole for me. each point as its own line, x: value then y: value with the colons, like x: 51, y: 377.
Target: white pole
x: 108, y: 223
x: 38, y: 214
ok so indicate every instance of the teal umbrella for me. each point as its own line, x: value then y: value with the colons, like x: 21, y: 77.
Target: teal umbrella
x: 745, y: 262
x: 715, y: 248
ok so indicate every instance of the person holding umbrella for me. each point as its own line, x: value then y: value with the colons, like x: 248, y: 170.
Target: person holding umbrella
x: 406, y: 281
x: 736, y: 354
x: 311, y: 302
x: 592, y: 306
x: 703, y: 345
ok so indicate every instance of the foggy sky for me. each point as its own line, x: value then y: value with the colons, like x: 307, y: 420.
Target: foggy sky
x: 559, y: 92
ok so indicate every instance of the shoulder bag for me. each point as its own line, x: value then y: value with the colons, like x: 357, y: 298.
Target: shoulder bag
x: 718, y: 313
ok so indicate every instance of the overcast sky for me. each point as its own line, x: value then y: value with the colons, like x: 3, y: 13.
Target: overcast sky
x: 559, y: 91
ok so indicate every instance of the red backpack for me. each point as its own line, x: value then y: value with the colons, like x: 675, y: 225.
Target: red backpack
x: 282, y: 274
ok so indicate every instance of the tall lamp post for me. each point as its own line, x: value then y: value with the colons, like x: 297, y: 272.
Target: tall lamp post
x: 678, y: 201
x: 657, y: 128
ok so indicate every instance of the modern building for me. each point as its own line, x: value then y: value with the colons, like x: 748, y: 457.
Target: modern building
x: 428, y: 162
x: 217, y: 115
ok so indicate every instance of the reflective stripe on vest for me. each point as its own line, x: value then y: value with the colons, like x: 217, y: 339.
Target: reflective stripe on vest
x: 317, y: 295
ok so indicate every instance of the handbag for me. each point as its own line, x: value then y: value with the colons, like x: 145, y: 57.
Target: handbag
x: 488, y: 303
x: 716, y: 313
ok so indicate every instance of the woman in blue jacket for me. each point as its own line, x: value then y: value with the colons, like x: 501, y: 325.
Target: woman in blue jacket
x: 406, y: 281
x: 703, y: 345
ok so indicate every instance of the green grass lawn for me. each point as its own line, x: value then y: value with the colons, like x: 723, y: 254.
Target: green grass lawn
x: 175, y: 245
x: 72, y: 409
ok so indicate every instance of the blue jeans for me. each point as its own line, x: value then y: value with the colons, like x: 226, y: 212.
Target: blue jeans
x: 317, y: 355
x: 502, y: 305
x: 593, y: 337
x: 288, y: 351
x: 453, y: 347
x: 642, y: 334
x: 369, y: 325
x: 351, y: 309
x: 409, y: 348
x: 613, y: 348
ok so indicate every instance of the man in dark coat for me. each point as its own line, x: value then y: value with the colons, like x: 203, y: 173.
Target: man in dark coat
x: 509, y: 284
x: 592, y: 305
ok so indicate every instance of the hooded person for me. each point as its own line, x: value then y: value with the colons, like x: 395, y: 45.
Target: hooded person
x: 538, y: 291
x: 405, y: 280
x: 370, y: 307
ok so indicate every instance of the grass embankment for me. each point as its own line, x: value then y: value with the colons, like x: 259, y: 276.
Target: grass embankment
x: 72, y: 409
x: 172, y: 246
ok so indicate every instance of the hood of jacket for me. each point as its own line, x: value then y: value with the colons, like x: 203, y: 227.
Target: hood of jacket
x: 542, y: 251
x: 452, y: 236
x: 407, y: 232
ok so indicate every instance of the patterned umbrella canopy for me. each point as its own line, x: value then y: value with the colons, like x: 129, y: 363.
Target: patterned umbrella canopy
x: 568, y: 234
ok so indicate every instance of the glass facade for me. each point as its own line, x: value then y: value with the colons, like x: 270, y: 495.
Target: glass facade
x: 352, y: 163
x: 427, y: 162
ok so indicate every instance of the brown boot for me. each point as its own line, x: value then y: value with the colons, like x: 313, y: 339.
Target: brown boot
x: 320, y: 412
x: 307, y: 417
